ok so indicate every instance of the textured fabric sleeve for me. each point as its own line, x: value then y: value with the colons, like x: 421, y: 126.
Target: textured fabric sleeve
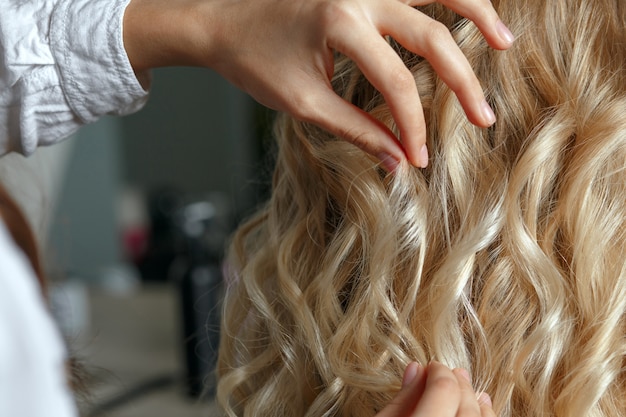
x: 33, y: 381
x: 62, y: 65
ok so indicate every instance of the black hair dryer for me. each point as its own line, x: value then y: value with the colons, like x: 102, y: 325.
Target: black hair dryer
x: 205, y: 226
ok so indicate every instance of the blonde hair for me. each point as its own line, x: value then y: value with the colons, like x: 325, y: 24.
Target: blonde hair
x: 507, y: 256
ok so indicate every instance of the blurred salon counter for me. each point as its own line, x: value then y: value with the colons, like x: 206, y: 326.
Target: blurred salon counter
x: 131, y: 345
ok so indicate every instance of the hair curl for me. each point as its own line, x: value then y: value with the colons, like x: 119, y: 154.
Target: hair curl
x: 506, y: 256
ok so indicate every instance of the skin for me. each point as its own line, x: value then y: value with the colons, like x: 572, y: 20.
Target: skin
x: 437, y: 391
x: 281, y: 53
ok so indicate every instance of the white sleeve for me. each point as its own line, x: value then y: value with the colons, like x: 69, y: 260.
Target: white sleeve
x: 62, y: 65
x: 33, y: 382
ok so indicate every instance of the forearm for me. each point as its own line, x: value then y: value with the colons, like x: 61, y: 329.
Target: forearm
x: 161, y: 33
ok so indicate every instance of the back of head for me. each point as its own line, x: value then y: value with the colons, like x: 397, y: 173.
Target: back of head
x: 507, y: 256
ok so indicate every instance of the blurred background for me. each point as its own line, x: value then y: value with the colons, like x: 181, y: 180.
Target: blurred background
x: 133, y: 215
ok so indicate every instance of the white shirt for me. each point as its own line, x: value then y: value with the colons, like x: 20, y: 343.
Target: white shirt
x: 62, y: 65
x: 33, y: 382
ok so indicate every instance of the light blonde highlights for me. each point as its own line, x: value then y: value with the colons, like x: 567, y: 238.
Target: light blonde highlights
x: 507, y: 256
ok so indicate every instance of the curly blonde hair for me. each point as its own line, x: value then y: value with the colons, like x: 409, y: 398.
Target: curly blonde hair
x: 506, y: 256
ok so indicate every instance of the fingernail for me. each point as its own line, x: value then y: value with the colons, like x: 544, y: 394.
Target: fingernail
x: 424, y: 156
x: 504, y: 32
x: 410, y: 373
x: 486, y: 399
x: 389, y: 162
x: 488, y: 113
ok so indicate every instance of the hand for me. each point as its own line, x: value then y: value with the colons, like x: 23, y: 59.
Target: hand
x: 437, y: 391
x: 281, y: 53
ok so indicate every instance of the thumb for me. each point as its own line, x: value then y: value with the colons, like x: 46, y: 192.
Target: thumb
x: 413, y: 383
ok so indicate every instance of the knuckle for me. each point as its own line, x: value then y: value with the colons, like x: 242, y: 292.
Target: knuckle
x: 364, y: 141
x: 486, y: 12
x: 446, y: 384
x: 361, y: 138
x: 438, y: 37
x: 335, y: 13
x: 302, y: 107
x: 481, y: 9
x: 356, y: 136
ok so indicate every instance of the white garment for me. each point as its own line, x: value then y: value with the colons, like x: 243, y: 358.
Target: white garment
x: 33, y: 381
x: 62, y: 65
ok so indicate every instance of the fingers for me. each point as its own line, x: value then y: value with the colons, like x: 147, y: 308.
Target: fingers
x: 324, y: 108
x: 296, y: 49
x: 484, y: 16
x: 435, y: 43
x: 426, y: 37
x: 388, y: 74
x: 412, y: 387
x: 437, y: 391
x: 449, y: 393
x: 441, y: 396
x: 486, y: 19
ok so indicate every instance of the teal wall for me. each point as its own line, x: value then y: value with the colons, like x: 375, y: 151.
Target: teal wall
x: 196, y: 134
x: 83, y: 236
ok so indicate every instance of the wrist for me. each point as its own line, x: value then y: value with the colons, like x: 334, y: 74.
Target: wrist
x: 161, y: 33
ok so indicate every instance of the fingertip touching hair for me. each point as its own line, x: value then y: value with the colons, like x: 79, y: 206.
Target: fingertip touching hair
x: 506, y: 256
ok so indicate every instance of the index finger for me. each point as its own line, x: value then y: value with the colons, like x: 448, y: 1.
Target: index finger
x: 388, y: 74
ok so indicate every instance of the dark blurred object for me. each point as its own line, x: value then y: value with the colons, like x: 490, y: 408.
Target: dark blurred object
x: 164, y: 242
x: 204, y: 226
